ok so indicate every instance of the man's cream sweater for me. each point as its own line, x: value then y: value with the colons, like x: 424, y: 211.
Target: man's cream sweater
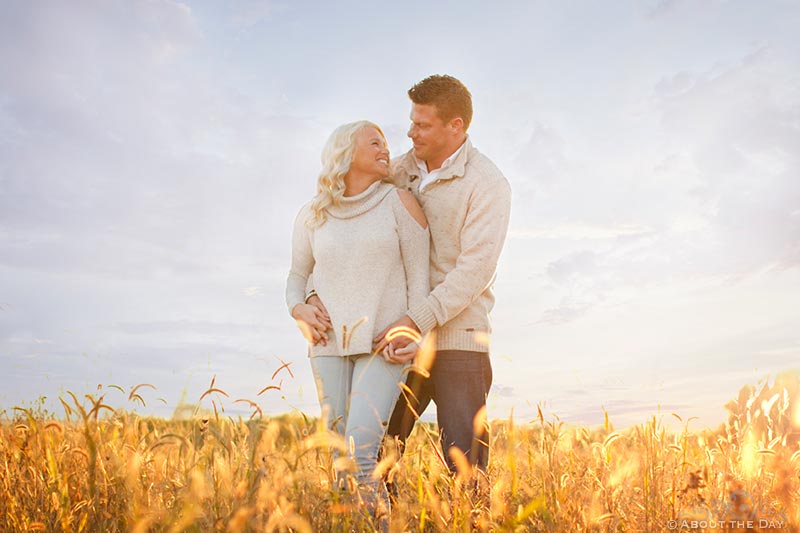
x: 369, y: 259
x: 468, y: 209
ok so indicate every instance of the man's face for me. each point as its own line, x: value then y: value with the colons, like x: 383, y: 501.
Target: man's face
x: 430, y: 134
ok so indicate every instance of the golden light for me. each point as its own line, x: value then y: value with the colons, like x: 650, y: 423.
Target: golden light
x: 305, y: 329
x: 326, y: 439
x: 749, y: 456
x: 482, y: 338
x: 796, y: 412
x: 463, y: 468
x: 480, y: 423
x: 427, y: 352
x: 403, y: 331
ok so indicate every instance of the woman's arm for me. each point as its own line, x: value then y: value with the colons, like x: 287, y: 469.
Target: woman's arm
x: 414, y: 237
x: 312, y: 322
x: 412, y: 228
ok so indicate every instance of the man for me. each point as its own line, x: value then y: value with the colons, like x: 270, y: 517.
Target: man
x: 467, y: 203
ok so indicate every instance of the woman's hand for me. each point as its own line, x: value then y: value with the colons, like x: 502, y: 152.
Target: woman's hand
x: 313, y: 323
x: 400, y: 355
x: 316, y: 301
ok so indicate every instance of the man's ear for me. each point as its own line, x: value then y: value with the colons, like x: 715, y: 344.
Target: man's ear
x: 457, y: 124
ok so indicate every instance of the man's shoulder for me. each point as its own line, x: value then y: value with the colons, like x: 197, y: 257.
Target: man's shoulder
x: 480, y: 168
x: 405, y: 161
x: 403, y: 166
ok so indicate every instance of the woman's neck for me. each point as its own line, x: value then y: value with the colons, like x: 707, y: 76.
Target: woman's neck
x: 356, y: 184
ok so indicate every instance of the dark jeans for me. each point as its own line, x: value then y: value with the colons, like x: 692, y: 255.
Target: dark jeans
x: 459, y: 384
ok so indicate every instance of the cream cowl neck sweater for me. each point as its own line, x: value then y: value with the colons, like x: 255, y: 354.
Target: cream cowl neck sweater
x: 370, y: 264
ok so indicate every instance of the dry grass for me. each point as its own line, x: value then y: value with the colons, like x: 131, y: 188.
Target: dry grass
x: 102, y: 469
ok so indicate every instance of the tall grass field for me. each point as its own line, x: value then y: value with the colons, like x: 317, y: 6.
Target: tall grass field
x: 101, y: 468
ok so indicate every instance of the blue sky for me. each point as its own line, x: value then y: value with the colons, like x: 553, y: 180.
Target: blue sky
x: 153, y: 156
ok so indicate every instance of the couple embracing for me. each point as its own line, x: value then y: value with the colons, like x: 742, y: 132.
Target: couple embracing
x: 407, y: 243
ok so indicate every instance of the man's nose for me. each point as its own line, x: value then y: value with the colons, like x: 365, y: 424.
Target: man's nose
x: 412, y: 131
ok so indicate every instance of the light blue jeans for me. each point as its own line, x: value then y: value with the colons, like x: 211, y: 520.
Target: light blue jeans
x: 357, y: 394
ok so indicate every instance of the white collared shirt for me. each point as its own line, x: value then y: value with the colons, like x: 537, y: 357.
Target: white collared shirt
x: 426, y: 178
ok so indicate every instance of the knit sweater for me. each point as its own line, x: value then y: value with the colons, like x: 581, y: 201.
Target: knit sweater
x: 468, y: 209
x: 369, y: 259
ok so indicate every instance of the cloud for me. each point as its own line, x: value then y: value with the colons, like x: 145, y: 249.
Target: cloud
x: 739, y: 128
x: 567, y: 312
x: 248, y: 13
x: 503, y: 391
x: 580, y: 231
x: 578, y: 264
x: 624, y: 409
x: 153, y: 156
x: 190, y: 327
x: 125, y: 157
x: 712, y: 192
x: 541, y: 157
x: 78, y: 56
x: 660, y: 8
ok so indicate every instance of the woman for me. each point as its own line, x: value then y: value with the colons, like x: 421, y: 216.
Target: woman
x: 367, y: 245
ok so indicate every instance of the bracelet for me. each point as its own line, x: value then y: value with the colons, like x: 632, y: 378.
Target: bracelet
x: 310, y: 294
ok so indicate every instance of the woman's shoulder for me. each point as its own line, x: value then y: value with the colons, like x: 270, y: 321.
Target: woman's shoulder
x: 305, y: 209
x: 304, y: 213
x: 408, y: 204
x: 383, y: 192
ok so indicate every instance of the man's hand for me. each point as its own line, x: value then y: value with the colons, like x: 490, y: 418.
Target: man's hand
x: 401, y: 341
x: 316, y: 301
x: 401, y: 355
x: 313, y: 323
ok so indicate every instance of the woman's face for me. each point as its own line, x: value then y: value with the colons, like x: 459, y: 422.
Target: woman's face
x: 371, y: 156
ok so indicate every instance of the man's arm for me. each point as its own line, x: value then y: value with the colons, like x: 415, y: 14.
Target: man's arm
x: 482, y: 239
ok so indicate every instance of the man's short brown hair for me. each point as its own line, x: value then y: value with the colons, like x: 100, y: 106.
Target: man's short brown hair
x: 450, y: 97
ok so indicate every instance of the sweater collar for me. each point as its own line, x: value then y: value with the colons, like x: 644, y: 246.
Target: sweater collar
x: 352, y: 206
x: 408, y: 162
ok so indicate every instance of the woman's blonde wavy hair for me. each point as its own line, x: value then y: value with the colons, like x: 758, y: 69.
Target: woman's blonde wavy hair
x: 336, y: 158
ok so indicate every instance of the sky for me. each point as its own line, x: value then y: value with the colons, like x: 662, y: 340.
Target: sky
x: 153, y: 155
